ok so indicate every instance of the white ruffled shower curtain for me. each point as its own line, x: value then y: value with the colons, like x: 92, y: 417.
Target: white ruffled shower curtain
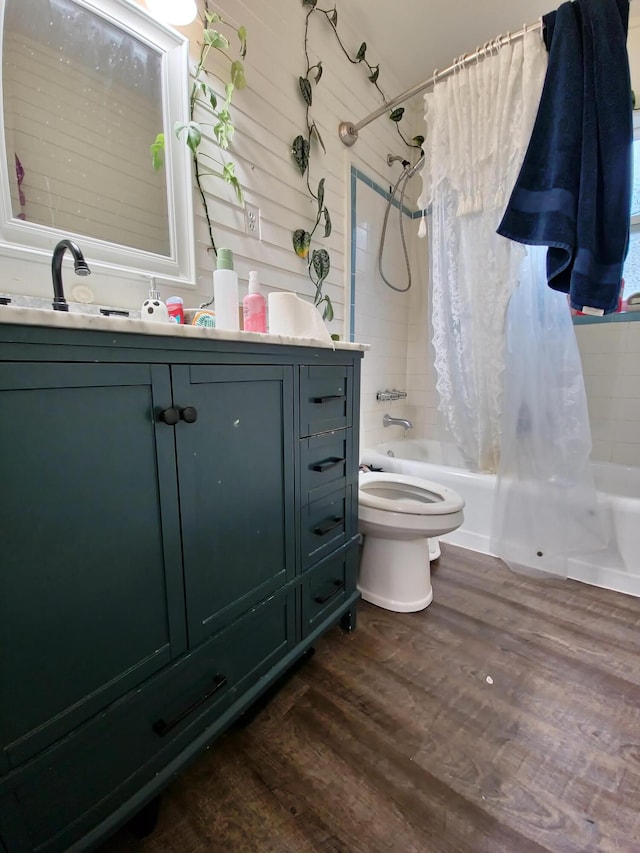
x: 479, y: 122
x: 528, y: 424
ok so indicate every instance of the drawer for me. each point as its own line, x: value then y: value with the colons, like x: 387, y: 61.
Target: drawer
x: 324, y: 459
x: 91, y: 772
x: 326, y: 398
x: 327, y: 585
x: 326, y: 524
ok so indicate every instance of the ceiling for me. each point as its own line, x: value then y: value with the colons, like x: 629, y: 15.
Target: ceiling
x: 417, y: 36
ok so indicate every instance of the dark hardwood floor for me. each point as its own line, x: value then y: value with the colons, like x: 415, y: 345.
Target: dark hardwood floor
x: 504, y: 718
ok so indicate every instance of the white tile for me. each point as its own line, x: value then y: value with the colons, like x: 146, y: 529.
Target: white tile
x: 632, y: 343
x: 626, y: 431
x: 602, y: 451
x: 626, y: 454
x: 627, y: 386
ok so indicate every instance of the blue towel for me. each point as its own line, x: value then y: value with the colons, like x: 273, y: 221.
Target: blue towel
x: 573, y: 193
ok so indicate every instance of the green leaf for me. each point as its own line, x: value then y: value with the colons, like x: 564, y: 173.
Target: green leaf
x: 375, y: 74
x: 419, y: 140
x: 213, y: 100
x: 242, y: 35
x: 320, y: 195
x: 327, y: 222
x: 309, y: 3
x: 300, y: 151
x: 212, y: 17
x: 228, y: 90
x: 396, y: 114
x: 333, y: 17
x: 318, y: 72
x: 361, y: 51
x: 327, y: 314
x: 157, y: 152
x: 193, y: 133
x: 228, y: 174
x: 305, y: 90
x: 316, y: 132
x: 301, y: 241
x: 237, y: 74
x: 321, y: 264
x: 215, y: 39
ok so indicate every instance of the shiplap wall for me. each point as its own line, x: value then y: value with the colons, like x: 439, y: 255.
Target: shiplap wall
x: 268, y: 114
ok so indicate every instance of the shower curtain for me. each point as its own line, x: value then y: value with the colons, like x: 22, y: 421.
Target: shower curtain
x: 479, y: 122
x: 532, y: 431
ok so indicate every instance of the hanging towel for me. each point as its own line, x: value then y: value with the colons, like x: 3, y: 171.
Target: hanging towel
x: 573, y: 193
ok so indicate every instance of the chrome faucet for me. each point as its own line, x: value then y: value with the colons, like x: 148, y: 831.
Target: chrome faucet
x: 80, y: 267
x: 387, y: 420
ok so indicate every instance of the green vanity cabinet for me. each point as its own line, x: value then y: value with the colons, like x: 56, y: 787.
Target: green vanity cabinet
x: 178, y: 523
x: 235, y: 464
x: 88, y: 531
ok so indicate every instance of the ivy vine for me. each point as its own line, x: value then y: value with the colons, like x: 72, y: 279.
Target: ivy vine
x: 319, y: 262
x: 203, y: 95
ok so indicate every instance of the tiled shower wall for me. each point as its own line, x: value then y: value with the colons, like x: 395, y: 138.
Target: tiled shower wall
x: 396, y: 325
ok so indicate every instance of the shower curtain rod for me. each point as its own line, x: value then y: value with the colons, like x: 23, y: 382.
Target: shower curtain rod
x: 348, y: 132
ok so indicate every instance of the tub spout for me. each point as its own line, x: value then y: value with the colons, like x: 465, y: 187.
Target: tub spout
x: 387, y: 420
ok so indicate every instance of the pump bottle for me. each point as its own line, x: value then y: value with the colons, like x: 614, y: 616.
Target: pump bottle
x: 225, y: 292
x: 254, y: 306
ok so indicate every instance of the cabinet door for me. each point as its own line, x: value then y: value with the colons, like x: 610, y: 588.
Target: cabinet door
x: 235, y: 480
x: 90, y: 543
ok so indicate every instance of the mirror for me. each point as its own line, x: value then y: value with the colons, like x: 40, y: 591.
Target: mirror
x: 86, y: 88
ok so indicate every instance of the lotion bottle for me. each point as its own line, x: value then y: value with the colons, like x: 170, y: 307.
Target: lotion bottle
x: 254, y: 306
x: 225, y: 292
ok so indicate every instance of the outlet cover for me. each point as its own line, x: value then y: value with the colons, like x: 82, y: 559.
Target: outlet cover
x: 252, y: 220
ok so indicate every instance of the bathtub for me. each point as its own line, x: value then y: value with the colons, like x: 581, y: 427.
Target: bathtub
x: 616, y: 568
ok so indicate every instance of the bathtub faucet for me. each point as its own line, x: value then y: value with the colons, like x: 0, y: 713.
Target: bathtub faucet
x: 387, y: 420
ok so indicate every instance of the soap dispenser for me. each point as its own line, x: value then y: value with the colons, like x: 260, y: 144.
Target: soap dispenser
x: 254, y: 306
x: 153, y: 308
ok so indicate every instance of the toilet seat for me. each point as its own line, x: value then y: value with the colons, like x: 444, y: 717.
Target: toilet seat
x: 401, y: 493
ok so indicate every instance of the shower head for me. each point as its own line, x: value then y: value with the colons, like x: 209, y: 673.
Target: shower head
x: 394, y: 158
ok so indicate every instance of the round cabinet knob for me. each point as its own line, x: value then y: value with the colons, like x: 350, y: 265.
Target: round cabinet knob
x: 170, y: 416
x: 189, y: 414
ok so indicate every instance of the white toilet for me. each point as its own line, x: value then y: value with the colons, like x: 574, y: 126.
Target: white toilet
x: 398, y: 516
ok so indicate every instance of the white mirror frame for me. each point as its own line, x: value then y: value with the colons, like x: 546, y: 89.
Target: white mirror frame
x: 30, y: 242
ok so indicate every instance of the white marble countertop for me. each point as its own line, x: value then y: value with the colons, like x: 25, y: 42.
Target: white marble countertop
x: 76, y: 318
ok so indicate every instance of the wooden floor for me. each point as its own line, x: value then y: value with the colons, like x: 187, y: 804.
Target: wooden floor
x: 504, y: 718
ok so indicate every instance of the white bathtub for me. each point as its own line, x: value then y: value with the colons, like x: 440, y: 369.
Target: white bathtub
x: 618, y: 488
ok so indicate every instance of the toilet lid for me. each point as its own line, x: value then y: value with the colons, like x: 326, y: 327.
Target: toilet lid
x: 411, y: 495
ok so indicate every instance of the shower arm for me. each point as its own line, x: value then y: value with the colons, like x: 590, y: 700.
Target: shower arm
x: 348, y: 132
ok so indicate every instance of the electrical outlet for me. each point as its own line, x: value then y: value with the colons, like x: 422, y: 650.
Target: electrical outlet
x: 252, y: 220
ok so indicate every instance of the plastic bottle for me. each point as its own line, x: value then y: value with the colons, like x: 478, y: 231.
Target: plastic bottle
x: 225, y: 292
x: 153, y: 308
x: 254, y: 307
x: 175, y: 307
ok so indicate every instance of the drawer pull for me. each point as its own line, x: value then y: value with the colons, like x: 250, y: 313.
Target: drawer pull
x: 162, y: 727
x: 328, y: 398
x: 328, y: 526
x: 331, y: 462
x: 322, y: 599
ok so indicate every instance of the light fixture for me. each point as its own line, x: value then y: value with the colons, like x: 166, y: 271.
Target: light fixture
x: 176, y: 12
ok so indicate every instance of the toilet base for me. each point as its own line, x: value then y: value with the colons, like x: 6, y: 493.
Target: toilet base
x: 395, y: 573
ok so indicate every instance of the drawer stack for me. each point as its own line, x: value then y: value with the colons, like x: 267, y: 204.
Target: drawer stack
x: 328, y: 490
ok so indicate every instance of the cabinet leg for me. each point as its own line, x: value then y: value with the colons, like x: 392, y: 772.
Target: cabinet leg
x: 349, y: 620
x: 143, y: 823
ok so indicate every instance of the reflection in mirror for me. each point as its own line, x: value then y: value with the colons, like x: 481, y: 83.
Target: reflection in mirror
x: 80, y: 116
x: 86, y: 88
